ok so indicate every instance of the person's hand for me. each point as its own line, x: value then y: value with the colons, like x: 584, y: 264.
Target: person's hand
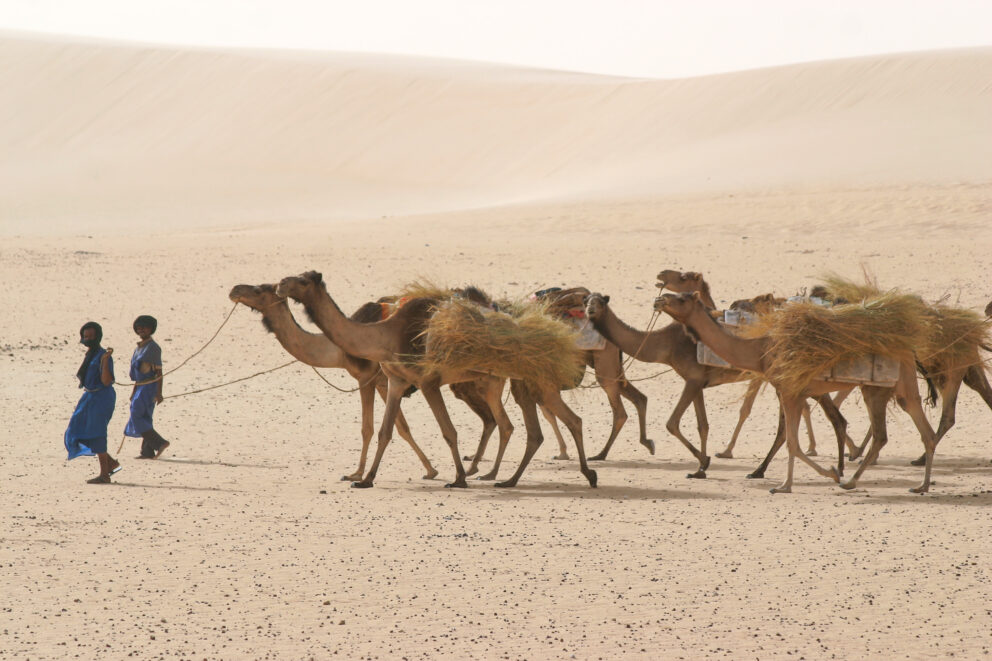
x: 159, y: 399
x: 110, y: 352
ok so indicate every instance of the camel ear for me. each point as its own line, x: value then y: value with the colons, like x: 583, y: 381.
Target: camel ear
x: 606, y: 299
x: 316, y: 277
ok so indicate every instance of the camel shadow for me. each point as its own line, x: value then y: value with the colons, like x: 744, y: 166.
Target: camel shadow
x: 132, y: 485
x: 226, y: 464
x: 533, y: 489
x: 978, y: 499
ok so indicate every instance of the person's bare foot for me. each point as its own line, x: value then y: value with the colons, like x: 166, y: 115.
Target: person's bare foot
x: 115, y: 466
x: 99, y: 479
x: 162, y: 449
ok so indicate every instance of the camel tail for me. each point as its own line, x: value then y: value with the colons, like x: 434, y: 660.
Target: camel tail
x: 931, y: 399
x: 410, y: 391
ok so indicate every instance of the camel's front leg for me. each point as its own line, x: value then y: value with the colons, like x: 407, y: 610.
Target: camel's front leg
x: 468, y: 392
x: 403, y: 429
x: 494, y: 399
x: 553, y: 421
x: 949, y: 402
x: 640, y: 402
x: 876, y: 398
x: 792, y: 407
x: 690, y: 391
x: 367, y: 395
x: 528, y: 407
x: 552, y: 399
x: 612, y: 389
x: 394, y: 393
x: 432, y: 393
x: 811, y: 448
x: 752, y: 392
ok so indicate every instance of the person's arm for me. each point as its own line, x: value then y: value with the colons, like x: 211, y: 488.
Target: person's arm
x: 106, y: 368
x: 161, y: 378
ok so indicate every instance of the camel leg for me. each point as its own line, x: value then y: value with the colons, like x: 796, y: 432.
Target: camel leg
x: 432, y: 393
x: 949, y: 402
x: 640, y: 402
x: 974, y: 378
x: 908, y: 397
x: 753, y: 387
x: 394, y: 393
x: 552, y: 399
x: 494, y: 399
x: 839, y: 423
x: 403, y: 429
x: 702, y: 427
x: 792, y: 407
x: 759, y: 472
x: 367, y: 395
x: 811, y: 449
x: 534, y: 435
x: 858, y: 450
x: 612, y: 389
x: 469, y: 393
x: 690, y: 392
x: 553, y: 421
x: 876, y: 399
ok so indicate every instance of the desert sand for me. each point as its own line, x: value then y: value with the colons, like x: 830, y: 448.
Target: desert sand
x: 138, y: 179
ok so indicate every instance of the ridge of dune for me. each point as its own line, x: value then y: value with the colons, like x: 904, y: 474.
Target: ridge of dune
x: 92, y: 133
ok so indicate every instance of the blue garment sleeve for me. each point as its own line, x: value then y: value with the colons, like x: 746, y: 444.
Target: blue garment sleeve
x: 153, y: 354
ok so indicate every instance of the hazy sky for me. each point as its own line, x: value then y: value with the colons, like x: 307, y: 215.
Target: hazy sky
x: 660, y: 38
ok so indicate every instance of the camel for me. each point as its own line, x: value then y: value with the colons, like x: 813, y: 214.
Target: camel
x: 392, y: 341
x: 753, y: 355
x: 318, y: 351
x: 608, y: 366
x: 685, y: 282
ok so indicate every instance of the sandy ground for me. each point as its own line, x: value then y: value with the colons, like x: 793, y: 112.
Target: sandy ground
x: 242, y: 542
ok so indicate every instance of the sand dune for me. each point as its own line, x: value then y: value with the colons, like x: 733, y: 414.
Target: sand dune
x: 97, y: 133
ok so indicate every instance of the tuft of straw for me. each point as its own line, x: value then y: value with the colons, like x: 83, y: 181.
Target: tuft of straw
x: 807, y: 340
x: 954, y: 338
x: 529, y: 346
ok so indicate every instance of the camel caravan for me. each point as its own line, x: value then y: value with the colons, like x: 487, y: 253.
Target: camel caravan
x: 819, y: 347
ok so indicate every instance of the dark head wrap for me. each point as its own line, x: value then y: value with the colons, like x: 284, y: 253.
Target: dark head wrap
x: 147, y: 321
x: 91, y: 351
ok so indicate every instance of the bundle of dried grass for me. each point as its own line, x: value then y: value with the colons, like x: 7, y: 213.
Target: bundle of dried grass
x: 529, y: 346
x: 954, y: 337
x: 422, y: 288
x: 807, y: 340
x: 842, y: 289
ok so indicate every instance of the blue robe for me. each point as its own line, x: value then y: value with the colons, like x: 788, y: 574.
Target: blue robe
x: 143, y: 402
x: 86, y: 435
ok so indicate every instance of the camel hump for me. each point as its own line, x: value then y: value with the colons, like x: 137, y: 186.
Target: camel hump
x: 368, y: 313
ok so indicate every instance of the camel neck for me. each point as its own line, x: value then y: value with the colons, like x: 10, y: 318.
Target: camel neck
x: 308, y: 348
x: 356, y: 339
x: 741, y: 353
x: 705, y: 297
x: 650, y: 347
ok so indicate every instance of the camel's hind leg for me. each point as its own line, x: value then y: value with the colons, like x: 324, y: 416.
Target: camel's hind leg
x: 876, y: 399
x: 908, y: 397
x: 552, y: 399
x: 367, y: 395
x: 690, y: 392
x: 403, y: 429
x: 494, y: 399
x: 534, y: 435
x: 432, y: 393
x: 553, y: 421
x: 759, y: 472
x: 753, y: 387
x: 394, y: 393
x: 792, y: 407
x: 468, y: 392
x: 612, y: 389
x: 839, y: 423
x: 811, y: 448
x: 640, y: 402
x: 949, y: 402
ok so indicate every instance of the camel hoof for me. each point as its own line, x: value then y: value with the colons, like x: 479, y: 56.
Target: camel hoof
x: 562, y: 456
x: 834, y: 475
x: 726, y: 454
x: 756, y: 475
x: 923, y: 488
x: 592, y: 477
x: 780, y: 490
x: 364, y: 484
x: 920, y: 461
x: 698, y: 475
x: 599, y: 457
x: 649, y: 444
x: 506, y: 485
x: 457, y: 484
x: 354, y: 477
x: 472, y: 470
x: 704, y: 464
x: 488, y: 477
x: 468, y: 458
x: 846, y: 485
x: 811, y: 453
x: 430, y: 476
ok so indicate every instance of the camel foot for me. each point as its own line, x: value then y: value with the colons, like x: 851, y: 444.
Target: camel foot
x: 472, y: 470
x: 468, y: 458
x: 923, y: 488
x: 920, y: 461
x: 756, y: 475
x: 811, y: 452
x: 430, y: 475
x: 457, y: 484
x: 833, y: 474
x: 781, y: 489
x: 364, y: 484
x: 592, y: 477
x: 564, y: 455
x: 726, y: 454
x: 488, y: 477
x: 596, y: 457
x: 846, y: 485
x: 509, y: 484
x: 354, y: 477
x: 698, y: 475
x: 648, y: 443
x: 705, y: 463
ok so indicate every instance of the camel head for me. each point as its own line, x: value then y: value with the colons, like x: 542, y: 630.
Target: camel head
x: 678, y: 306
x: 680, y: 281
x: 758, y: 305
x: 297, y: 287
x: 257, y: 298
x: 596, y: 305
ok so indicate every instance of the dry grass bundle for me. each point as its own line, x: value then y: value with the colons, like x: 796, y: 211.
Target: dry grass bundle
x: 425, y: 289
x: 954, y: 338
x: 529, y: 346
x: 807, y: 340
x: 839, y: 288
